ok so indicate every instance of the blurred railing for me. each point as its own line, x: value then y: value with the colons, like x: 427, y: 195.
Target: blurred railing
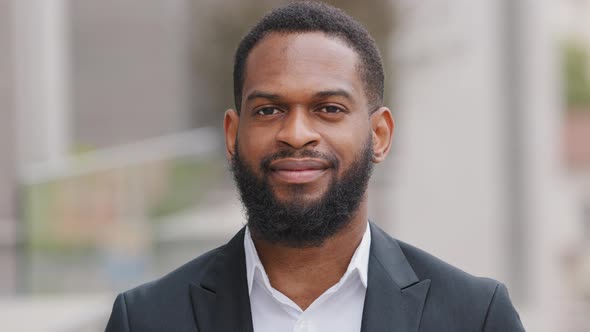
x: 99, y: 221
x: 102, y: 221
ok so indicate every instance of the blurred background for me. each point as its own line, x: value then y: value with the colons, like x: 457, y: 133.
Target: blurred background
x: 112, y: 169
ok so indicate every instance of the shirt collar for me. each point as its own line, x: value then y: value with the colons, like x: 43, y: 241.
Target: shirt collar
x: 359, y: 262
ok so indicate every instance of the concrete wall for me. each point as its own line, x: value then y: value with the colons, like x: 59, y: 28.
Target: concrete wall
x: 7, y: 153
x: 448, y: 180
x: 476, y: 177
x: 130, y: 71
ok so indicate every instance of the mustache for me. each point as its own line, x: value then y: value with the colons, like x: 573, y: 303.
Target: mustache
x: 291, y: 153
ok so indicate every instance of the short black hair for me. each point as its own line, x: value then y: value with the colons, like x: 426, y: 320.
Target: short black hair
x: 311, y: 16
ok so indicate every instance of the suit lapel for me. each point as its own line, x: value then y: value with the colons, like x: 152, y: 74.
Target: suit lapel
x: 395, y: 297
x: 221, y: 301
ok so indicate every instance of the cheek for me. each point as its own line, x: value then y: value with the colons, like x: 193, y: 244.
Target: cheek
x: 252, y: 146
x: 347, y: 152
x: 347, y: 142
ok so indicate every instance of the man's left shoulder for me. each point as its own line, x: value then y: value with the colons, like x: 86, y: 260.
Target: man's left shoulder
x: 457, y: 298
x: 446, y: 276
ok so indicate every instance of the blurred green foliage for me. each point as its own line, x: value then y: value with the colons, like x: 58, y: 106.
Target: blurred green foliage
x: 68, y: 215
x: 577, y: 76
x: 187, y: 185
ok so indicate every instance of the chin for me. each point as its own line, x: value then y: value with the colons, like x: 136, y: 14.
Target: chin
x: 299, y: 196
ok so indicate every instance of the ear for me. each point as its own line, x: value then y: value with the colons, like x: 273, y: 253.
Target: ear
x: 382, y: 126
x: 231, y: 121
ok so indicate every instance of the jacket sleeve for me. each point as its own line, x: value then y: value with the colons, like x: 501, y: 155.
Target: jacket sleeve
x: 119, y: 321
x: 501, y: 315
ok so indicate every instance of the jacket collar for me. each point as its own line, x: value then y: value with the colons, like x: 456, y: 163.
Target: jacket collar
x: 395, y: 296
x: 394, y: 299
x: 220, y: 300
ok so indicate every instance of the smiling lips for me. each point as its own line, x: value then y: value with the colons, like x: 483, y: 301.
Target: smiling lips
x: 299, y: 171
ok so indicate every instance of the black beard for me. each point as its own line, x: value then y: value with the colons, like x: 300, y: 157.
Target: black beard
x: 300, y: 224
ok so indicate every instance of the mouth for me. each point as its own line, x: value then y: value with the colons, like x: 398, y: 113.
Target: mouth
x: 299, y: 171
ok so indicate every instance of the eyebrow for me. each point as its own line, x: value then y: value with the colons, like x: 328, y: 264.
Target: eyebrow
x: 321, y: 94
x: 334, y: 93
x: 264, y: 95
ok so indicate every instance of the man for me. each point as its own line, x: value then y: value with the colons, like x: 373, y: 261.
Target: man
x: 308, y: 126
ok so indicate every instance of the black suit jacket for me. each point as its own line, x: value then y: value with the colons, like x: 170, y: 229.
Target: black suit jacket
x: 408, y: 291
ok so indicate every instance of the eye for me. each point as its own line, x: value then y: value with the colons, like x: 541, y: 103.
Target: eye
x: 267, y: 111
x: 331, y: 109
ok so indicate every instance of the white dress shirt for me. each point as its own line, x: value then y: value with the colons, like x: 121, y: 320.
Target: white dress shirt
x: 340, y: 308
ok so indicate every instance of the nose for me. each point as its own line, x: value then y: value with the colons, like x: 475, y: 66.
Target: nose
x: 297, y: 130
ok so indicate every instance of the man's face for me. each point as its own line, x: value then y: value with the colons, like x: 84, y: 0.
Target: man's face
x: 304, y: 136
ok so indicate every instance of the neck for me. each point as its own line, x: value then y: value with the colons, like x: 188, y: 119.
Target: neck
x: 303, y: 274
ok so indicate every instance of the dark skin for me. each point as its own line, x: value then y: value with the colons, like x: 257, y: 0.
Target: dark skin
x: 304, y: 91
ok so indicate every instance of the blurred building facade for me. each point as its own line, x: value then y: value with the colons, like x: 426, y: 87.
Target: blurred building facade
x: 130, y: 70
x: 478, y: 176
x: 7, y: 155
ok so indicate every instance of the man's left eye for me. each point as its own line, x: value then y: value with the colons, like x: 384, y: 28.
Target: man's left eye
x: 331, y: 109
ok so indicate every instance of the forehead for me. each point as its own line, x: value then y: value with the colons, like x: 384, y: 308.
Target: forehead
x: 295, y: 61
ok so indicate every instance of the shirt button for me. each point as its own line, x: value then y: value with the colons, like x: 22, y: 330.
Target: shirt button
x: 302, y: 326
